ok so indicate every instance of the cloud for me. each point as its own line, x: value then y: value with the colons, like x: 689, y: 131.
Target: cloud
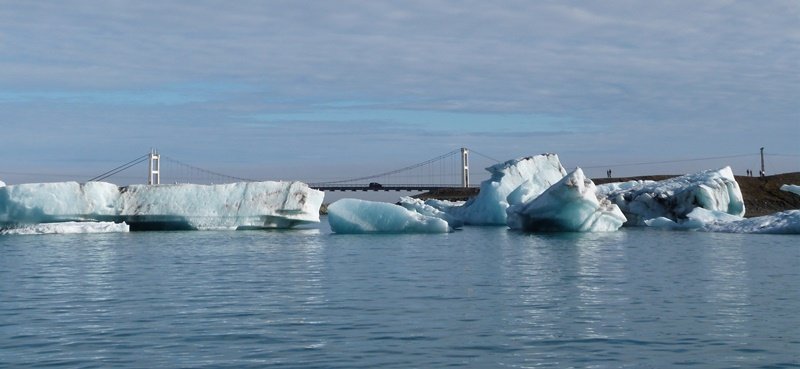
x: 607, y: 72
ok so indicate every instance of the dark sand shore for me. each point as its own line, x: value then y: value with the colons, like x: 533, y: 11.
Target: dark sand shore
x: 762, y: 196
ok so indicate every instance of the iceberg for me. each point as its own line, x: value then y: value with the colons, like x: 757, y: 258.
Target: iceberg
x: 785, y: 222
x: 570, y: 205
x: 423, y: 208
x: 700, y: 219
x: 361, y: 216
x: 67, y: 227
x: 525, y: 178
x: 795, y: 189
x: 240, y: 205
x: 444, y: 205
x: 674, y: 198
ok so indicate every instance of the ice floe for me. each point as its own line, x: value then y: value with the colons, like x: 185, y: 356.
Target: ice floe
x: 66, y: 227
x: 361, y: 216
x: 700, y: 219
x: 423, y: 208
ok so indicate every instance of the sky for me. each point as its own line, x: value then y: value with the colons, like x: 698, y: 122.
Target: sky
x: 321, y: 90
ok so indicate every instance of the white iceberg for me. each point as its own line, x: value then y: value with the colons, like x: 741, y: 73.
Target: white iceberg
x: 67, y: 227
x: 674, y: 198
x: 695, y: 220
x: 423, y: 208
x: 183, y: 206
x: 444, y: 205
x: 534, y: 174
x: 795, y: 189
x: 361, y: 216
x: 700, y: 219
x: 570, y: 205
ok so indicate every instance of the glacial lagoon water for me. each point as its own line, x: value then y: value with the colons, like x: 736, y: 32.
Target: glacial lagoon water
x: 483, y: 297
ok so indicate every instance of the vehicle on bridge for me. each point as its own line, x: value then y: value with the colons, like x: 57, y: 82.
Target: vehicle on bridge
x: 374, y: 185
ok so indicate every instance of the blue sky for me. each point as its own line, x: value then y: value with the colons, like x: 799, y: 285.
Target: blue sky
x: 330, y: 89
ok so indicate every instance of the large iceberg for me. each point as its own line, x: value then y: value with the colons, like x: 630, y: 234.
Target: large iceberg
x: 674, y: 198
x: 570, y: 205
x: 182, y: 206
x: 700, y: 219
x: 361, y: 216
x: 523, y: 179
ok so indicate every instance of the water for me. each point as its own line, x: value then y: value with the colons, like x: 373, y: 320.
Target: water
x: 480, y: 298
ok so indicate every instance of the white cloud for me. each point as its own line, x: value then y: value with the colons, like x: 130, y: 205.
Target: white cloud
x: 615, y: 64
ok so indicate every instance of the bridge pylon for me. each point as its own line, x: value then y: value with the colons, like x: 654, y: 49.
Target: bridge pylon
x: 464, y: 167
x: 154, y: 168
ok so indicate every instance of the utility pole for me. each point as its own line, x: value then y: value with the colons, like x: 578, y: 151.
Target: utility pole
x: 763, y: 172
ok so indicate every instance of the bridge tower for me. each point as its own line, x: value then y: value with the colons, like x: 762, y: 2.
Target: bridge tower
x: 464, y: 167
x: 154, y: 168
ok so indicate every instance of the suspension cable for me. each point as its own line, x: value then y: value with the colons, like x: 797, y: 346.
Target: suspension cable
x: 120, y: 168
x: 668, y: 161
x: 440, y: 157
x: 484, y: 156
x: 208, y: 172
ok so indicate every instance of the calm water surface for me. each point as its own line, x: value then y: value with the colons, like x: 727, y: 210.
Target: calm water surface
x: 481, y: 298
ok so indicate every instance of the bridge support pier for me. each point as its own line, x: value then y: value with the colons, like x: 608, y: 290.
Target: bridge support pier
x: 464, y: 167
x: 154, y: 168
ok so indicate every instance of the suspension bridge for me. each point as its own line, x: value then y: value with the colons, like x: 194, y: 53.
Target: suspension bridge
x: 449, y: 170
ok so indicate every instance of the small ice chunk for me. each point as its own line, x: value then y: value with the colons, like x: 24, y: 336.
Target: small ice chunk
x: 795, y: 189
x: 444, y: 205
x: 361, y: 216
x: 421, y: 207
x: 67, y: 227
x: 570, y: 205
x: 700, y: 219
x: 786, y: 222
x: 697, y: 219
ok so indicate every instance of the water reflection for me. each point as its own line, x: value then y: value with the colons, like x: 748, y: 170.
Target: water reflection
x: 482, y: 297
x: 569, y: 291
x: 728, y: 287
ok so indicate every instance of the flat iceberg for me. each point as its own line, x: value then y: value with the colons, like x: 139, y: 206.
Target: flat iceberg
x: 785, y: 222
x: 700, y: 219
x: 674, y: 198
x: 570, y: 205
x: 795, y: 189
x: 67, y: 227
x: 182, y: 206
x: 361, y: 216
x: 423, y: 208
x: 525, y: 177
